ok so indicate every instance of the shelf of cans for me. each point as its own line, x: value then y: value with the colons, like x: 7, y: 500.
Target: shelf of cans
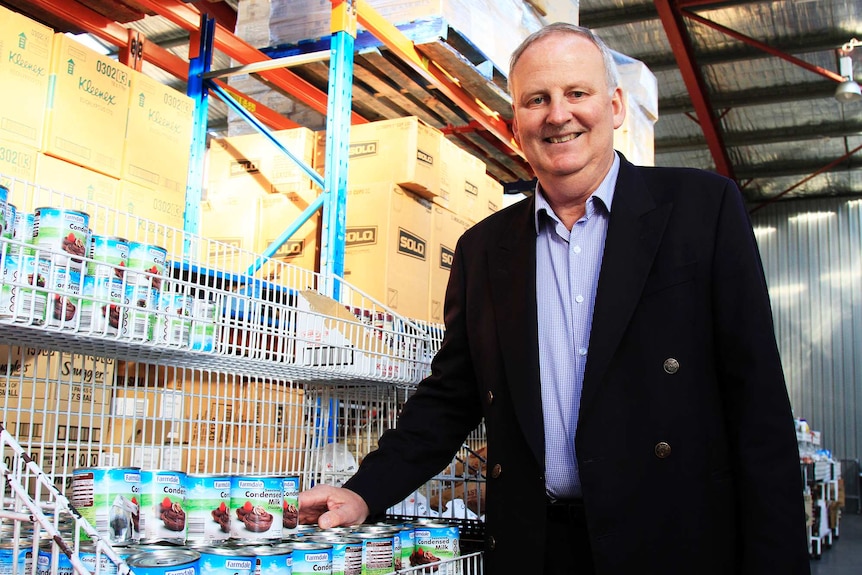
x: 84, y: 277
x: 158, y: 521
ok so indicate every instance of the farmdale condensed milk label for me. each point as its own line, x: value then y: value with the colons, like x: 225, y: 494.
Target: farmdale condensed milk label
x: 256, y: 505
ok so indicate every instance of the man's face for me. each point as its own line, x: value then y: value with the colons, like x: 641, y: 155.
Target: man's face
x: 564, y: 116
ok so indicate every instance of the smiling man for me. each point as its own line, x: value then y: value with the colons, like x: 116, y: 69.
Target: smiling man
x: 615, y: 334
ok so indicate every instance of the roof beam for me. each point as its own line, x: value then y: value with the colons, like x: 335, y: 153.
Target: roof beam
x: 765, y: 137
x: 754, y: 97
x: 680, y: 43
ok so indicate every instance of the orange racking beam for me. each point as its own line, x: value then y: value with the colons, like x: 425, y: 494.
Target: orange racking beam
x: 404, y: 48
x: 187, y: 17
x: 113, y: 33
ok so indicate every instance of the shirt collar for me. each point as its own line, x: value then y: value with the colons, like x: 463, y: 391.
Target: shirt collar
x: 604, y: 193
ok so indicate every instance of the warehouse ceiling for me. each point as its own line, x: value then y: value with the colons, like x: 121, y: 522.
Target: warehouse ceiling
x: 745, y: 88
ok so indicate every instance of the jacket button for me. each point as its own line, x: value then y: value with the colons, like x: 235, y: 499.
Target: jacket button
x: 662, y: 450
x: 490, y: 397
x: 492, y: 543
x: 671, y: 366
x: 496, y: 471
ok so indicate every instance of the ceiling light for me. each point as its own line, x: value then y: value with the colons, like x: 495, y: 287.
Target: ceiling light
x: 848, y: 90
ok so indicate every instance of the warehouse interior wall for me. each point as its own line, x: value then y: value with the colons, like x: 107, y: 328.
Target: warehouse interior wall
x: 812, y: 257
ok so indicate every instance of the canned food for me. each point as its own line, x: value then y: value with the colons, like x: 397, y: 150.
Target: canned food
x: 378, y: 550
x: 311, y: 558
x: 139, y: 312
x: 256, y: 507
x: 24, y: 295
x: 9, y: 213
x: 207, y: 508
x: 64, y: 234
x: 86, y: 552
x: 174, y: 321
x: 346, y: 553
x: 101, y: 304
x: 163, y: 517
x: 4, y: 201
x: 109, y: 255
x: 64, y: 301
x: 108, y: 498
x: 226, y: 561
x: 15, y: 561
x: 202, y: 337
x: 22, y: 230
x: 165, y: 562
x: 436, y: 542
x: 146, y: 264
x: 290, y: 509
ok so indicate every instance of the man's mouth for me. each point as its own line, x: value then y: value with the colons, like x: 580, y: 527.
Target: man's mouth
x: 562, y: 139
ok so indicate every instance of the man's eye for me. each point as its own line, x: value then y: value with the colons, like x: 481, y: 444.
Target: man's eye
x: 577, y: 94
x: 537, y: 100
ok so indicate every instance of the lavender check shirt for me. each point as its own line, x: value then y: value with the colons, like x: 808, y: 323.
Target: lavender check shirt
x: 567, y: 273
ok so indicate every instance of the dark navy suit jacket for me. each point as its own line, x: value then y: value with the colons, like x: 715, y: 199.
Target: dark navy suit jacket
x: 681, y: 280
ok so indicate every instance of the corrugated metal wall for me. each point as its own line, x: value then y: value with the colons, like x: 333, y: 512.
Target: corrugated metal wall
x: 812, y: 256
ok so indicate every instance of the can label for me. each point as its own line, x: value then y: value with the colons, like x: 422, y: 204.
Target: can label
x: 139, y: 312
x: 174, y: 322
x: 202, y: 336
x: 256, y: 507
x: 23, y: 295
x: 87, y: 555
x: 290, y: 509
x: 312, y: 558
x: 436, y: 543
x: 22, y: 230
x: 226, y: 564
x: 407, y: 538
x: 110, y: 257
x: 64, y: 234
x: 11, y: 563
x: 64, y: 303
x: 378, y: 554
x: 207, y: 508
x: 274, y: 562
x: 9, y: 213
x: 101, y: 304
x: 146, y: 264
x: 163, y: 516
x: 4, y: 201
x: 108, y: 498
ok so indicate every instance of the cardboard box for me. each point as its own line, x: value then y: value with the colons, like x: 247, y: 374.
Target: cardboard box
x: 85, y: 121
x: 158, y: 136
x: 80, y: 382
x: 231, y: 220
x: 67, y: 185
x: 157, y: 216
x: 277, y: 211
x: 271, y: 415
x: 405, y: 151
x: 446, y: 229
x: 490, y: 197
x: 17, y: 161
x: 25, y: 65
x: 386, y: 251
x: 253, y: 164
x: 55, y: 422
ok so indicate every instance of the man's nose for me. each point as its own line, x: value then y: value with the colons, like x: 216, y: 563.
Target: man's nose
x: 558, y: 112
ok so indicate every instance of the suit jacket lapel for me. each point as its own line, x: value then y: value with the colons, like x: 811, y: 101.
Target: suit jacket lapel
x: 512, y: 269
x: 634, y: 234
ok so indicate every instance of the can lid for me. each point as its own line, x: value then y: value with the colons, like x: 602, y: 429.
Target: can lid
x: 162, y: 558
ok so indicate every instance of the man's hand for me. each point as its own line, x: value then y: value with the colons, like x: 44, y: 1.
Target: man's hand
x: 330, y: 506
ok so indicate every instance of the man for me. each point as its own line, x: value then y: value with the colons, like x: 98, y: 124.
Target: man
x: 615, y: 334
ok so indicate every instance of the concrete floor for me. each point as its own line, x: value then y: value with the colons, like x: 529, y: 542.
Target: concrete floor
x: 845, y: 555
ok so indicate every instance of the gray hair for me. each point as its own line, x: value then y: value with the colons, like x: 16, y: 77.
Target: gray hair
x: 611, y: 74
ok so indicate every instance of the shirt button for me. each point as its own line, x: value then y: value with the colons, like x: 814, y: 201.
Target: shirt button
x: 490, y: 397
x: 492, y: 543
x: 582, y: 351
x: 496, y: 471
x: 579, y: 299
x: 662, y: 450
x: 671, y: 366
x: 576, y: 249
